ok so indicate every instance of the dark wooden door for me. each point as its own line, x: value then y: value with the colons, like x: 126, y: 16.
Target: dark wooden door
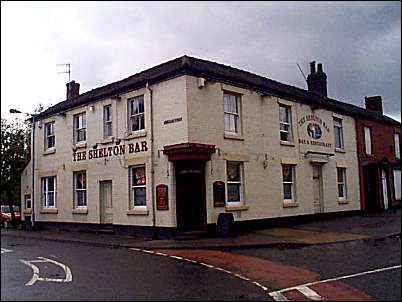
x: 371, y: 188
x: 190, y: 196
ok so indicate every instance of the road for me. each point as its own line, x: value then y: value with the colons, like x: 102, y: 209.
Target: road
x: 369, y: 270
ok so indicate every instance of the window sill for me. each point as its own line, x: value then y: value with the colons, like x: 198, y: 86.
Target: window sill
x: 343, y: 201
x: 107, y: 140
x: 137, y: 212
x: 287, y: 143
x: 233, y: 136
x: 80, y: 145
x: 48, y: 211
x: 27, y: 211
x: 80, y: 211
x: 141, y: 133
x: 290, y: 204
x: 340, y: 150
x: 49, y: 151
x: 236, y: 208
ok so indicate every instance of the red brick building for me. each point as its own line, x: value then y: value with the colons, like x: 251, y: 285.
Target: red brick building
x: 379, y: 152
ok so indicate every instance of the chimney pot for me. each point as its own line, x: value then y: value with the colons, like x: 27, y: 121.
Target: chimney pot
x: 312, y: 67
x: 319, y: 67
x: 73, y: 90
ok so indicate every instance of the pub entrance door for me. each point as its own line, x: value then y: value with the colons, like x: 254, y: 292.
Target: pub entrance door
x: 190, y: 196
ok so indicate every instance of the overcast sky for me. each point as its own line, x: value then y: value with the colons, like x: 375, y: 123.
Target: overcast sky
x: 359, y: 44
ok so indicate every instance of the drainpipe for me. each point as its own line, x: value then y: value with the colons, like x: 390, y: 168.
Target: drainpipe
x: 152, y: 162
x: 33, y: 173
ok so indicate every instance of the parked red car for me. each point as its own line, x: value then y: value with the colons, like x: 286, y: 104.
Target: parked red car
x: 6, y: 213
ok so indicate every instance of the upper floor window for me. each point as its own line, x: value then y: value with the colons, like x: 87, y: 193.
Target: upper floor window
x: 341, y: 178
x: 49, y: 192
x: 50, y: 138
x: 397, y: 184
x: 28, y: 201
x: 136, y: 115
x: 80, y: 127
x: 231, y: 107
x: 367, y: 140
x: 107, y: 121
x: 138, y: 187
x: 397, y: 145
x: 338, y: 133
x: 285, y: 123
x: 80, y: 189
x: 288, y: 180
x: 234, y: 172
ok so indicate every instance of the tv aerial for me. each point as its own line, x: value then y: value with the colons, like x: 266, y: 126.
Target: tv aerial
x: 68, y: 71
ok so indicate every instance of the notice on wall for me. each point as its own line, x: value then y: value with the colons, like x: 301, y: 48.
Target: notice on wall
x: 162, y: 197
x: 219, y: 193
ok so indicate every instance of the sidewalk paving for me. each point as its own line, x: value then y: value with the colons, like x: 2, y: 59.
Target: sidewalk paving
x: 356, y: 227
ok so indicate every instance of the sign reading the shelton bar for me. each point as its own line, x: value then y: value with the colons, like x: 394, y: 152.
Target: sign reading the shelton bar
x: 110, y: 151
x: 316, y: 128
x: 162, y: 200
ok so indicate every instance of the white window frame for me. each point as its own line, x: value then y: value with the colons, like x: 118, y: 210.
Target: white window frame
x: 397, y: 186
x: 397, y: 143
x: 239, y: 183
x: 28, y: 198
x: 46, y: 192
x: 80, y: 124
x: 343, y: 183
x: 368, y: 144
x: 133, y: 187
x: 338, y: 126
x: 232, y: 115
x: 50, y: 135
x: 132, y: 116
x: 76, y: 190
x: 288, y: 123
x: 107, y: 123
x: 292, y: 183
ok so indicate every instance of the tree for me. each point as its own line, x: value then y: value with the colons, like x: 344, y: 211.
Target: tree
x: 15, y: 155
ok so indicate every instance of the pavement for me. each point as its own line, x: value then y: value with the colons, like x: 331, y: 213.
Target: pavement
x: 359, y: 226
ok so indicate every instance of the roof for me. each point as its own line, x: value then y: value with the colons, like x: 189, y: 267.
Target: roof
x: 218, y: 72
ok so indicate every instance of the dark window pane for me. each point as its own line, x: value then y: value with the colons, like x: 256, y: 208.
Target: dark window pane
x: 50, y: 184
x: 233, y: 171
x: 287, y: 191
x: 139, y: 178
x: 81, y: 198
x: 287, y: 173
x: 140, y: 197
x: 233, y: 193
x: 340, y: 190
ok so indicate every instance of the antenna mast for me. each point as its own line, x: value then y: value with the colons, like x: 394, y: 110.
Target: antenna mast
x: 68, y: 71
x: 301, y: 72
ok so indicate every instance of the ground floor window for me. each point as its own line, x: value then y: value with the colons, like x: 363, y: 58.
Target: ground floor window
x: 80, y: 189
x: 138, y: 186
x: 234, y: 171
x: 48, y: 192
x: 341, y: 179
x: 397, y: 184
x: 28, y: 201
x: 288, y: 180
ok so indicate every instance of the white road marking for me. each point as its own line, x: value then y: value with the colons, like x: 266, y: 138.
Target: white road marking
x: 5, y: 250
x: 35, y: 276
x: 308, y: 292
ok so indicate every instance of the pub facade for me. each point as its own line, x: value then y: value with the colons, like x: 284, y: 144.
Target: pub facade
x: 174, y: 146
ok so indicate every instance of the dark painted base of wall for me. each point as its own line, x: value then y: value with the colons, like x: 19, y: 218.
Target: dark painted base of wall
x: 170, y: 233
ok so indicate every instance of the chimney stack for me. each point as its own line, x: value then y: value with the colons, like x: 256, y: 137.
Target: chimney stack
x: 374, y: 103
x: 317, y: 81
x: 73, y: 90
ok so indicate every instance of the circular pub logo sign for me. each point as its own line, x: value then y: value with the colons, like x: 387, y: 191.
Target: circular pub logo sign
x: 314, y: 130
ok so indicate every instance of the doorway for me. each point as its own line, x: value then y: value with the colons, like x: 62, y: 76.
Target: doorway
x: 371, y: 196
x: 384, y: 188
x: 317, y: 189
x: 190, y: 196
x: 105, y: 202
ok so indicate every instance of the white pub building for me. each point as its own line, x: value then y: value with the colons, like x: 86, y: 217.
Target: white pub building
x: 172, y: 147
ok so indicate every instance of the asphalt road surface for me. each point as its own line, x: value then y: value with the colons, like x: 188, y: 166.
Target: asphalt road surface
x: 101, y: 273
x: 379, y: 260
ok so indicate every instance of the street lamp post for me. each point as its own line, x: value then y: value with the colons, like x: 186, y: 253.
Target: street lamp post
x: 33, y: 165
